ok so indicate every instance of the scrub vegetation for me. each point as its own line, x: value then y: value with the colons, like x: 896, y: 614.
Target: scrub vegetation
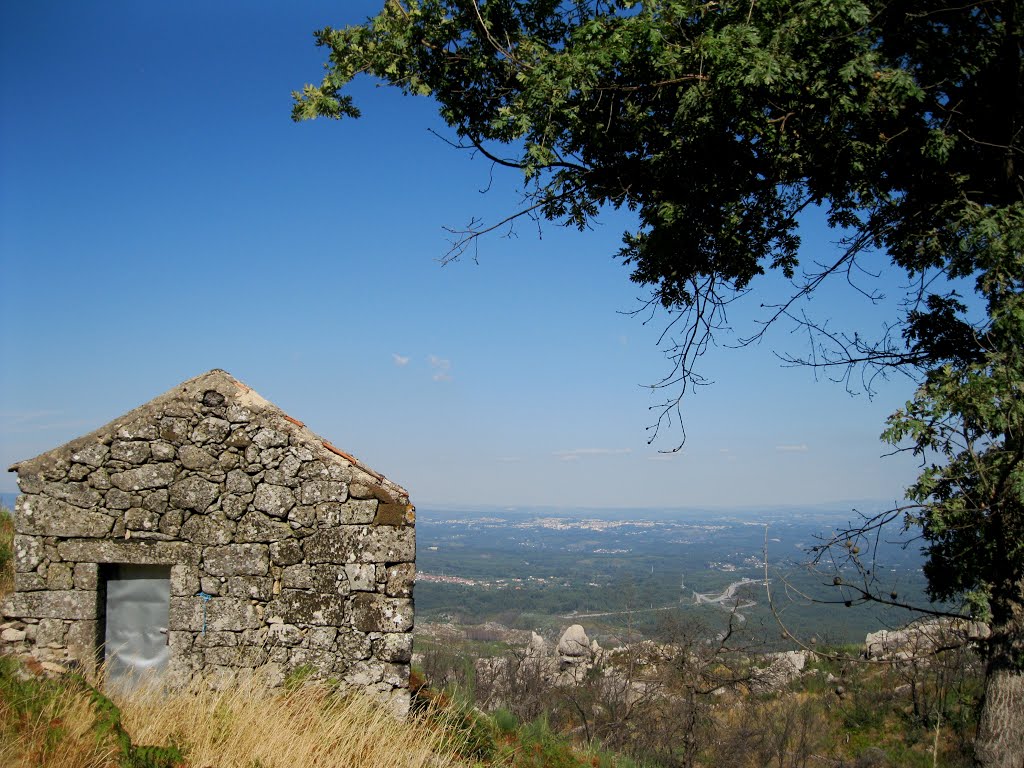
x: 864, y: 715
x: 688, y: 703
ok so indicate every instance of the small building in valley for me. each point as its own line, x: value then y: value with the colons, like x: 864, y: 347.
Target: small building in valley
x: 208, y: 532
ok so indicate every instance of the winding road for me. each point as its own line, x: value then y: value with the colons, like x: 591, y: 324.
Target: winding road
x: 698, y: 598
x: 728, y: 595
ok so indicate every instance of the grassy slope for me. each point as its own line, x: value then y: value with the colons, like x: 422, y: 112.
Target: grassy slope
x: 66, y: 722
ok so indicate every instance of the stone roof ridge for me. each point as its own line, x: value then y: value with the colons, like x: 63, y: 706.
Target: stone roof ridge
x: 205, y: 388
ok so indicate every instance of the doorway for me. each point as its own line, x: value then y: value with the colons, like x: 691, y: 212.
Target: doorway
x: 137, y: 603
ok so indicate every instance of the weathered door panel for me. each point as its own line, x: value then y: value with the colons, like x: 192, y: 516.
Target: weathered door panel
x: 137, y: 605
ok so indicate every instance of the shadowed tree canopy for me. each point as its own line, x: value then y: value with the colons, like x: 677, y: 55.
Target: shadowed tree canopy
x: 718, y: 123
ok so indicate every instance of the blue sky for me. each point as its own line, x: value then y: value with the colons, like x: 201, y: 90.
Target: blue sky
x: 160, y: 215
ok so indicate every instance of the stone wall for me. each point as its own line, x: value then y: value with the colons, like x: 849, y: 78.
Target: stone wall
x: 284, y: 552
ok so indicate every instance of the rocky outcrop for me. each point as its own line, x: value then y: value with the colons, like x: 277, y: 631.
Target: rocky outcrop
x: 537, y: 647
x: 782, y: 669
x: 574, y: 655
x: 574, y: 645
x: 923, y: 638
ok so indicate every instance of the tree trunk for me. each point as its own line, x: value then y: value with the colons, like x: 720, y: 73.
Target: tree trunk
x: 1000, y: 739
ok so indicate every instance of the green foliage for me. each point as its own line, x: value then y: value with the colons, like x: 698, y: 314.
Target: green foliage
x: 6, y: 551
x: 27, y: 699
x: 505, y: 721
x: 866, y: 708
x: 540, y: 747
x: 498, y: 739
x: 719, y: 123
x: 967, y: 420
x: 475, y: 733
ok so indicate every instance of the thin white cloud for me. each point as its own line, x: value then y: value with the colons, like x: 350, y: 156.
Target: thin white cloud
x: 799, y: 448
x: 441, y: 367
x: 509, y: 459
x: 665, y: 456
x: 577, y: 453
x: 400, y: 360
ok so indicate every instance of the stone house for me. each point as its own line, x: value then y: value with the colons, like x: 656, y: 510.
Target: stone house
x: 208, y: 532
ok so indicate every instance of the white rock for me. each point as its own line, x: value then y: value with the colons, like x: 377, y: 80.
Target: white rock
x: 919, y: 639
x: 11, y: 635
x: 782, y: 668
x: 537, y: 646
x: 574, y: 642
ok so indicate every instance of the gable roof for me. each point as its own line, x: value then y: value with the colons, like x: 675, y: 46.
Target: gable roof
x: 216, y: 389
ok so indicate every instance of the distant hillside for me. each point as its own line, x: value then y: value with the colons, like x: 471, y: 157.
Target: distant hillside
x: 619, y: 570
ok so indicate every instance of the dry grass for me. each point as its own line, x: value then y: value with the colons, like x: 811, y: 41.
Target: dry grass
x: 55, y: 730
x: 63, y: 723
x: 247, y: 726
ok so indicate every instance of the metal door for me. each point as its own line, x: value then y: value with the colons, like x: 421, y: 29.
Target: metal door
x: 138, y: 601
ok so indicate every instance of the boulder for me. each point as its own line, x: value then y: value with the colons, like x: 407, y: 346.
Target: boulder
x: 537, y: 647
x: 782, y: 668
x: 574, y: 644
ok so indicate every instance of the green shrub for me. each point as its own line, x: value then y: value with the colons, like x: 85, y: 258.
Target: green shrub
x: 505, y: 721
x: 475, y: 733
x: 540, y: 747
x: 866, y: 707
